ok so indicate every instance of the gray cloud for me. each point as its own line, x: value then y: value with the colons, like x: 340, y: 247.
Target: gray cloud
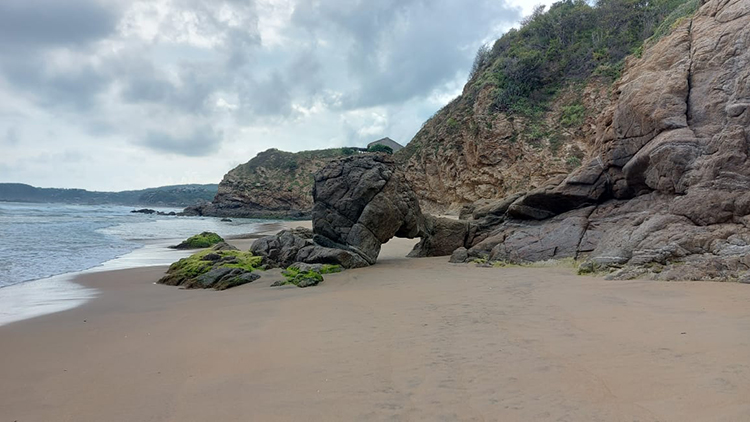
x: 11, y: 136
x: 75, y: 89
x: 201, y: 142
x: 120, y: 75
x: 190, y: 93
x: 403, y: 48
x: 33, y: 23
x: 269, y: 96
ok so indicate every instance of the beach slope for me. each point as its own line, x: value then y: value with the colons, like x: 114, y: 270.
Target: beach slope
x: 406, y: 339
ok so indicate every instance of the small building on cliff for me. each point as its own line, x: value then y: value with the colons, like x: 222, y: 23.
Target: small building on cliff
x: 395, y: 146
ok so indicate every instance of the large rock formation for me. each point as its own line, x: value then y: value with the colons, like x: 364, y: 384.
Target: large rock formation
x: 361, y: 202
x: 666, y: 191
x: 273, y: 184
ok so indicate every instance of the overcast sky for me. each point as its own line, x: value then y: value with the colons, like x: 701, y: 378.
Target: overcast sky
x: 120, y: 94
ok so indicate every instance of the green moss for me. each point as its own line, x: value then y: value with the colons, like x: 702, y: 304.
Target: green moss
x: 203, y: 240
x: 300, y: 278
x: 186, y: 269
x: 330, y: 269
x: 245, y: 260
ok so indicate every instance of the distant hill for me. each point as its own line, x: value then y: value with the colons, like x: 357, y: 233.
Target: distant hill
x: 165, y: 196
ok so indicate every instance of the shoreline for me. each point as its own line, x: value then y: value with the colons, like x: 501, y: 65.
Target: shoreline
x: 61, y: 292
x: 406, y: 339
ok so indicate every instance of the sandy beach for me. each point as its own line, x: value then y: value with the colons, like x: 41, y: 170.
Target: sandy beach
x: 407, y: 339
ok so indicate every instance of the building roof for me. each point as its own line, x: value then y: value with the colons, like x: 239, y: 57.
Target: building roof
x: 395, y: 146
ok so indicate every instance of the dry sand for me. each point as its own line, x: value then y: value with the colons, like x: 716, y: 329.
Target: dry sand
x: 407, y: 339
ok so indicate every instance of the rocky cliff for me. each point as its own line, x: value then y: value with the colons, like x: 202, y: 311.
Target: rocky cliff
x: 273, y: 184
x: 665, y: 192
x: 530, y: 109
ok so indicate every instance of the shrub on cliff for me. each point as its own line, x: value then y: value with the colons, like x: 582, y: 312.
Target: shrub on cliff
x: 570, y: 41
x: 380, y: 148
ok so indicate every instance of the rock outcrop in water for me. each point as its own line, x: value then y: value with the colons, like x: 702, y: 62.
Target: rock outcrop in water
x: 666, y: 191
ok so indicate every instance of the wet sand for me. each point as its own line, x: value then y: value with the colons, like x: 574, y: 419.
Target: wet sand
x: 407, y: 339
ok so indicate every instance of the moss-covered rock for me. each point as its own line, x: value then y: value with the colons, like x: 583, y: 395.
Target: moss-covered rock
x: 306, y: 275
x: 203, y: 240
x: 213, y: 269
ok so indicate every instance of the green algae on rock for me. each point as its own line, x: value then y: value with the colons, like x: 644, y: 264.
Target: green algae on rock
x: 213, y: 269
x: 306, y: 275
x: 203, y: 240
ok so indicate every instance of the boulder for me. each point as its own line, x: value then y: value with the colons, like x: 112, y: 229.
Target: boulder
x: 442, y: 236
x: 209, y: 269
x: 296, y: 245
x: 202, y: 240
x: 459, y: 255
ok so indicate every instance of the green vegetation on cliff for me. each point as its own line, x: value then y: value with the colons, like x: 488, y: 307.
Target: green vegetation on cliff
x: 569, y: 42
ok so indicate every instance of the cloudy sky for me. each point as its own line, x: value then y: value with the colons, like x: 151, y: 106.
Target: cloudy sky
x: 122, y: 94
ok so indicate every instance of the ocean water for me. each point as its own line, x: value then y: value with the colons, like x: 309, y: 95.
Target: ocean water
x: 43, y: 245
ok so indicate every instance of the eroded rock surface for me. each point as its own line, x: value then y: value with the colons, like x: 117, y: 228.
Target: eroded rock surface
x: 362, y: 202
x: 666, y: 192
x: 296, y: 246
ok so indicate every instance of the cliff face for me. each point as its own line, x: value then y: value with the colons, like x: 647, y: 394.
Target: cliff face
x: 467, y: 153
x: 273, y: 184
x: 666, y: 190
x: 529, y: 113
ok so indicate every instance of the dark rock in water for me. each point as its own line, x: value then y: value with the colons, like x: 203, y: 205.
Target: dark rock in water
x: 144, y: 211
x: 226, y: 220
x: 203, y: 240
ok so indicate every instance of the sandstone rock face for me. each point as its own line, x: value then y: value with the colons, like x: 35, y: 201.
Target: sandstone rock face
x: 666, y: 192
x: 273, y: 184
x: 362, y: 202
x: 466, y: 153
